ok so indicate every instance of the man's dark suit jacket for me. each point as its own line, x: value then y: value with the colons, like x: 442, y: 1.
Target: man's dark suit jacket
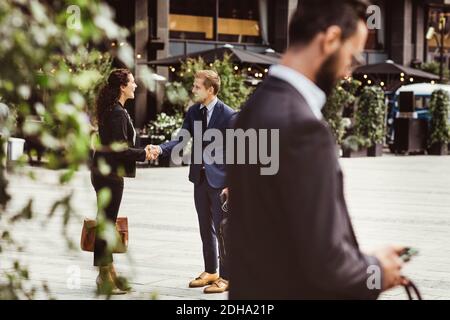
x: 291, y: 234
x: 117, y: 127
x: 221, y: 119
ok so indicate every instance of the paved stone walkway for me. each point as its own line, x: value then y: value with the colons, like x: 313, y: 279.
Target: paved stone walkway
x: 403, y: 200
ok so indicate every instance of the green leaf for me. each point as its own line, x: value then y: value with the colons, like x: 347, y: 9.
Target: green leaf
x: 104, y: 197
x: 66, y: 176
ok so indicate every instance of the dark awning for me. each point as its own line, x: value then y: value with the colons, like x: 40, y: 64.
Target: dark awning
x: 390, y: 68
x: 390, y: 75
x: 237, y: 56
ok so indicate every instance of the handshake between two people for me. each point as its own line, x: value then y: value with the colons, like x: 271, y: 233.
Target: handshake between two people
x: 152, y: 152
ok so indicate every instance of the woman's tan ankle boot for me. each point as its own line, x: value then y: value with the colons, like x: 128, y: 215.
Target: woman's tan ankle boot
x: 105, y: 283
x: 120, y: 282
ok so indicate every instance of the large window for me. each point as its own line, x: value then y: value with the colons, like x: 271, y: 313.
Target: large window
x: 223, y: 20
x: 239, y: 21
x: 193, y: 19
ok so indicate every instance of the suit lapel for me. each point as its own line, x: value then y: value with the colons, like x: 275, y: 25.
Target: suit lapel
x: 342, y: 198
x: 218, y: 109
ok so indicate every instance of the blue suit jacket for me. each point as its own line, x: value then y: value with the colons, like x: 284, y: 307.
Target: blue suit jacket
x: 221, y: 119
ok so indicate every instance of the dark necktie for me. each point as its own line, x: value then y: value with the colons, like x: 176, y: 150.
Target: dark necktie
x: 204, y: 119
x: 204, y: 111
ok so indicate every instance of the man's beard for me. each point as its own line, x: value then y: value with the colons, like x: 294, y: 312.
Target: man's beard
x: 198, y: 98
x: 327, y: 76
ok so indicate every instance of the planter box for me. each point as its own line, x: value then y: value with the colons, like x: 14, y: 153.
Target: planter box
x: 410, y: 135
x: 438, y: 149
x: 164, y: 161
x: 339, y: 151
x: 375, y: 150
x: 15, y: 148
x: 348, y: 153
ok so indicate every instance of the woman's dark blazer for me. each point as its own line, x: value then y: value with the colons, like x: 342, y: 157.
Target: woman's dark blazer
x: 117, y: 127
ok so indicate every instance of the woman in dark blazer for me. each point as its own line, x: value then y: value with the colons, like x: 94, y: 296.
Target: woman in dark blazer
x: 114, y: 126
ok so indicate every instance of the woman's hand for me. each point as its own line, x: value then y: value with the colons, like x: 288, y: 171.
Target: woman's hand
x: 148, y: 154
x: 152, y: 152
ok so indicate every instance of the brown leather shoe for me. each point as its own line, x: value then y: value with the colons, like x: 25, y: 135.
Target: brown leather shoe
x: 219, y: 286
x: 203, y: 280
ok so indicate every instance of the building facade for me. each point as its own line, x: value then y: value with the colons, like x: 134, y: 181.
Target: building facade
x: 163, y: 28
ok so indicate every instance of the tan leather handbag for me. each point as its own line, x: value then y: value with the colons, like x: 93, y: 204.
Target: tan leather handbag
x: 88, y: 235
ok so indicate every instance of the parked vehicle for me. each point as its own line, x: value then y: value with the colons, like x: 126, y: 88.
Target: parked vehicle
x: 422, y: 94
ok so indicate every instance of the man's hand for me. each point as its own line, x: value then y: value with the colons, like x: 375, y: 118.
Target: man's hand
x: 148, y: 155
x: 224, y: 194
x: 152, y: 152
x: 224, y: 197
x: 392, y: 264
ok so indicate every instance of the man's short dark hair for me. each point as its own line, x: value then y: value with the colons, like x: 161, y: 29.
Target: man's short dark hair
x: 315, y: 16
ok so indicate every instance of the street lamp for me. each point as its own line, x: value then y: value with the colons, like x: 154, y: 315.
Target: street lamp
x: 440, y: 42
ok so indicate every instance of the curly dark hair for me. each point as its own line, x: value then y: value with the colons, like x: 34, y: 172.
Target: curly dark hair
x: 109, y: 94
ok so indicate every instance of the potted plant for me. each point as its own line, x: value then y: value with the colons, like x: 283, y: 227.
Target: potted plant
x: 332, y: 112
x: 370, y: 119
x: 354, y: 147
x: 14, y: 145
x: 439, y: 136
x: 163, y: 129
x: 342, y: 97
x: 4, y: 132
x: 433, y: 67
x: 233, y: 89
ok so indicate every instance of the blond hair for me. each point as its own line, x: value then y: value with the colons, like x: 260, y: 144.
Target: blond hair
x: 210, y: 79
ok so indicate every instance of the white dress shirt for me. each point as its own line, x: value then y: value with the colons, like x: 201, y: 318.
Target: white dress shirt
x: 209, y: 108
x: 313, y: 95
